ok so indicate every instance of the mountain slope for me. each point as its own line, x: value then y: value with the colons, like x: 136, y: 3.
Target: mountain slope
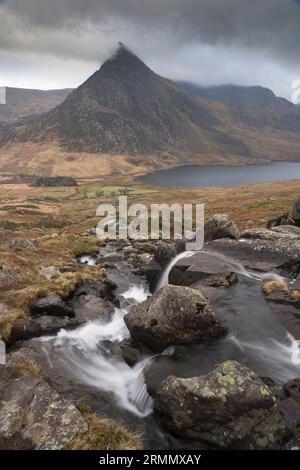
x: 21, y: 102
x: 125, y: 118
x: 125, y: 108
x: 255, y: 106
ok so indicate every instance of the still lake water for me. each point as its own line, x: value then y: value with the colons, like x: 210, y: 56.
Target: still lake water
x: 196, y: 176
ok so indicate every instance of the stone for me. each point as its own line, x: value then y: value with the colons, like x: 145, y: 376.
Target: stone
x: 8, y: 276
x: 229, y: 407
x: 49, y: 272
x: 51, y: 305
x: 33, y: 416
x: 22, y: 243
x: 220, y: 226
x: 174, y: 315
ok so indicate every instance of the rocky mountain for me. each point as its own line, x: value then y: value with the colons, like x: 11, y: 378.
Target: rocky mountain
x: 125, y: 108
x: 22, y: 102
x: 255, y: 106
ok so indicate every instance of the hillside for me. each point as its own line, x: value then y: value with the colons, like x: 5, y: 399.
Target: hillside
x: 21, y: 102
x: 127, y: 119
x: 255, y: 106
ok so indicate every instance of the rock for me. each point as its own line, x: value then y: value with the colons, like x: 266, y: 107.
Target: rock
x: 89, y: 307
x: 33, y: 416
x: 292, y: 389
x: 283, y: 219
x: 229, y: 408
x: 8, y: 276
x: 296, y: 211
x: 33, y: 327
x: 174, y: 315
x: 104, y: 289
x: 290, y: 411
x: 22, y: 243
x: 289, y: 229
x: 130, y: 352
x: 49, y: 272
x: 220, y: 226
x: 51, y: 305
x: 144, y: 247
x: 286, y: 232
x: 164, y: 253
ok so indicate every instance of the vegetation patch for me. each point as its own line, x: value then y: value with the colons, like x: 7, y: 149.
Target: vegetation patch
x: 104, y: 434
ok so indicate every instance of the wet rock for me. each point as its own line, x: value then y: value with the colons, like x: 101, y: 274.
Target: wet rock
x: 8, y: 276
x: 290, y: 411
x: 21, y: 243
x: 51, y: 305
x: 130, y: 352
x: 33, y: 327
x: 229, y: 408
x: 220, y: 226
x: 104, y: 289
x: 292, y: 389
x: 198, y: 267
x: 89, y: 307
x: 32, y: 414
x: 296, y: 211
x: 172, y: 316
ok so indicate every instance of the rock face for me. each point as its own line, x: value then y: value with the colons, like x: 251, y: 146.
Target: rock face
x: 32, y: 414
x: 229, y: 407
x: 172, y: 316
x: 220, y: 226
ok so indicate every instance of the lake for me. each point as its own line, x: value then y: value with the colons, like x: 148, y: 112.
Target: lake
x: 195, y: 176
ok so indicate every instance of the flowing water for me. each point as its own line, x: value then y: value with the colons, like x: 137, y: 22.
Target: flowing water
x: 256, y: 339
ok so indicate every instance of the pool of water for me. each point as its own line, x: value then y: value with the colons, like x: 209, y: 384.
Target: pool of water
x: 195, y: 176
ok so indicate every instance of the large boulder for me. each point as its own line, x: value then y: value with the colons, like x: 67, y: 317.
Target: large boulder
x: 174, y: 315
x: 32, y: 414
x: 220, y: 226
x: 229, y: 408
x: 296, y: 211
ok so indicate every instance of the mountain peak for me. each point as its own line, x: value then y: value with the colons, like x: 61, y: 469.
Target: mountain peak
x: 123, y: 57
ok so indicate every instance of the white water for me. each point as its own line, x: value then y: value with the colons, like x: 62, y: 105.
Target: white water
x: 86, y: 356
x: 89, y: 260
x: 164, y: 280
x: 86, y: 352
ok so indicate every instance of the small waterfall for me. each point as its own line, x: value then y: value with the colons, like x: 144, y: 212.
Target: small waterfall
x: 85, y: 353
x: 164, y: 279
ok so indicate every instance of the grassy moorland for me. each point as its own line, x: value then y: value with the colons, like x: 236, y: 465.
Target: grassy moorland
x: 56, y: 219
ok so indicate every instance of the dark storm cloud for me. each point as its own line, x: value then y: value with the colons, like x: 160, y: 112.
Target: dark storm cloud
x: 272, y: 25
x: 206, y: 41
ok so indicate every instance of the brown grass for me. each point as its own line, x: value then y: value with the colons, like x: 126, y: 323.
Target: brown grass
x: 104, y: 434
x: 28, y: 368
x: 275, y: 286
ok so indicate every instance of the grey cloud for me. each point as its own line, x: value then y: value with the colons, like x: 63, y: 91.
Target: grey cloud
x: 248, y: 40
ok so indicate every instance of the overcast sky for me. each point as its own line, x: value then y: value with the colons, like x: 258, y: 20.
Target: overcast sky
x: 59, y: 43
